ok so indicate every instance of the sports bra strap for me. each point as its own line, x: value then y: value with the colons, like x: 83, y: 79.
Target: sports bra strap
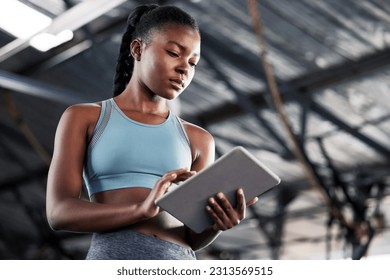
x: 105, y: 113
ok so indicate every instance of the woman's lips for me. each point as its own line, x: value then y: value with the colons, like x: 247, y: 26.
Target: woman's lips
x: 177, y: 82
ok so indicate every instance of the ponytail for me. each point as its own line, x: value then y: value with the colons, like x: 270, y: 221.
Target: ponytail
x: 125, y: 61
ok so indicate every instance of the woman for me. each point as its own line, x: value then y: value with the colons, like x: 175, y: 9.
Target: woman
x: 131, y: 148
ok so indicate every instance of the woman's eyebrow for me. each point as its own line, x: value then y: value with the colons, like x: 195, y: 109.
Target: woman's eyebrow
x: 183, y: 48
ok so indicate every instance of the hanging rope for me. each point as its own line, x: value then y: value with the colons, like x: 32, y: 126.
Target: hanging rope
x: 313, y: 181
x: 25, y: 129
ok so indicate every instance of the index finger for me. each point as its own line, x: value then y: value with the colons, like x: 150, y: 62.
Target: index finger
x: 176, y: 171
x: 241, y: 200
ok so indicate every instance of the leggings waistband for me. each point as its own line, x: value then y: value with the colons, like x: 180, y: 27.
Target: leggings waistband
x: 131, y: 245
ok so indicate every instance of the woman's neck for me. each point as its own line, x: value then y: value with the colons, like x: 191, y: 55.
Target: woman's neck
x: 136, y: 98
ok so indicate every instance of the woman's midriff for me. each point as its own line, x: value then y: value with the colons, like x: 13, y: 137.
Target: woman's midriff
x: 163, y: 226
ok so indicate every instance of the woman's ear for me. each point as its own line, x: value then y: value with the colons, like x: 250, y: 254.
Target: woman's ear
x: 135, y: 49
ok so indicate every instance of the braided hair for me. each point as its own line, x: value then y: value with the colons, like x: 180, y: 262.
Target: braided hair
x: 144, y: 20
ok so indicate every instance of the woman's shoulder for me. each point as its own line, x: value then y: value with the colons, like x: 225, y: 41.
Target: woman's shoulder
x: 83, y: 108
x: 196, y: 131
x: 202, y: 145
x: 82, y: 115
x: 83, y: 111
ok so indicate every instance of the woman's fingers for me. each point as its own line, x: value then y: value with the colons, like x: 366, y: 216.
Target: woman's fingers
x: 170, y: 177
x: 228, y: 209
x: 165, y: 182
x: 223, y: 213
x: 241, y: 206
x: 161, y: 187
x: 173, y: 176
x: 184, y: 176
x: 218, y: 215
x: 178, y: 172
x: 252, y: 201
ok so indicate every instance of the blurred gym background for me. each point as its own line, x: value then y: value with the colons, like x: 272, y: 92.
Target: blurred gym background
x: 303, y: 85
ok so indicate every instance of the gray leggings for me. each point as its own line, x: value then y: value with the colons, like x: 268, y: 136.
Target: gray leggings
x: 132, y: 245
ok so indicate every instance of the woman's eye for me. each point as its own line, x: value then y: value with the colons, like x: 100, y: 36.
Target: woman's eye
x: 172, y: 54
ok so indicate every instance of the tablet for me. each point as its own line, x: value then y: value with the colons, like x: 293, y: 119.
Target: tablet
x: 237, y: 168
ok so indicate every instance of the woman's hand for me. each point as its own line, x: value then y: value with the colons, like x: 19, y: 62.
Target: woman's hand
x: 223, y: 213
x: 148, y: 206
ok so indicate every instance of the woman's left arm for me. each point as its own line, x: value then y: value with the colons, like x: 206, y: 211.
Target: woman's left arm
x: 225, y: 216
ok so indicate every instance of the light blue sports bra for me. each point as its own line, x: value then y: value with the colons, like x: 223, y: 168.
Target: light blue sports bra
x: 124, y: 153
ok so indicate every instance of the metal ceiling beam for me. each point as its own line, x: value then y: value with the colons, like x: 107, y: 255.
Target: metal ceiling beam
x: 246, y: 104
x: 56, y: 59
x: 310, y: 32
x: 326, y: 114
x: 373, y: 122
x: 304, y: 85
x: 73, y: 48
x: 72, y: 19
x: 36, y: 88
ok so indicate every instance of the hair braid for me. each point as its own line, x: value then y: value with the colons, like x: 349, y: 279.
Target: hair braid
x: 124, y: 65
x: 125, y: 61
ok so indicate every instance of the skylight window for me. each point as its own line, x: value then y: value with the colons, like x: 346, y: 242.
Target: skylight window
x: 46, y: 41
x: 21, y: 20
x: 25, y: 23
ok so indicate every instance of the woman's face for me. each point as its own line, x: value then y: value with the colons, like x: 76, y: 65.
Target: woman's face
x: 167, y: 63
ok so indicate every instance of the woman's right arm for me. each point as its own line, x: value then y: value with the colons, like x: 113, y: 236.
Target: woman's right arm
x: 65, y: 210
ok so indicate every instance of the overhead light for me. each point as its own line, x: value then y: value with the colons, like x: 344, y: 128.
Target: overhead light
x: 74, y: 18
x: 46, y: 41
x: 21, y: 20
x: 11, y: 14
